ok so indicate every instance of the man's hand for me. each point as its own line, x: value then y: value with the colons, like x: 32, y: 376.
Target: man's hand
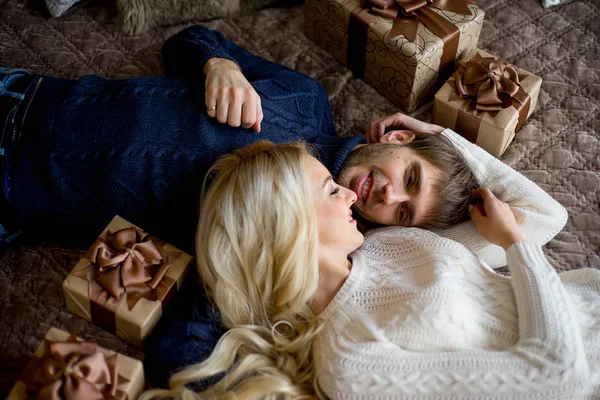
x: 495, y: 220
x: 378, y: 128
x: 230, y: 97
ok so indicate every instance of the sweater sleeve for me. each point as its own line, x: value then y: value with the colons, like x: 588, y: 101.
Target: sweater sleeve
x: 185, y: 53
x: 539, y: 216
x: 548, y: 360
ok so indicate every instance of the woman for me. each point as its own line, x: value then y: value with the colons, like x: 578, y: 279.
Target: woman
x: 313, y: 311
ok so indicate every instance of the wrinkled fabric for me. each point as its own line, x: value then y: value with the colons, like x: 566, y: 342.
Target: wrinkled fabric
x: 557, y: 148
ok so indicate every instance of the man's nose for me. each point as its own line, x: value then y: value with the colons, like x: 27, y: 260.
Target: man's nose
x: 391, y: 195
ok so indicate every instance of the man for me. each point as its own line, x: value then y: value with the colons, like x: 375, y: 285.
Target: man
x: 78, y: 152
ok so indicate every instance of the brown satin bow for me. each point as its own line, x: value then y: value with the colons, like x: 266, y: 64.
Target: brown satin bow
x: 75, y: 370
x: 127, y: 261
x: 407, y: 13
x: 492, y: 83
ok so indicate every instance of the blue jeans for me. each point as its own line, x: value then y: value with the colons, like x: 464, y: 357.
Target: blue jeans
x: 12, y: 94
x: 140, y: 148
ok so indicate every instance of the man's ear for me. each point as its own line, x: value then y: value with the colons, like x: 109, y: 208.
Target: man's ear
x: 400, y: 136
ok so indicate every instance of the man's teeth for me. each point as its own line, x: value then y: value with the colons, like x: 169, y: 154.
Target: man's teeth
x: 366, y: 187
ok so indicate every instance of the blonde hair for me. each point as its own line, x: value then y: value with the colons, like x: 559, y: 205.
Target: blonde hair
x: 256, y: 248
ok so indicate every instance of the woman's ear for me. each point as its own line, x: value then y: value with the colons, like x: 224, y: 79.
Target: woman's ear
x: 399, y: 136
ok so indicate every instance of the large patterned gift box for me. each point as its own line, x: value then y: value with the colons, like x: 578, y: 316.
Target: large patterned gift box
x: 124, y: 280
x: 487, y: 101
x: 400, y: 47
x: 66, y: 367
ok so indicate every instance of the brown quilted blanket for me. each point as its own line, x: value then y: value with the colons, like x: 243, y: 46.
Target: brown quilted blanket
x: 557, y: 148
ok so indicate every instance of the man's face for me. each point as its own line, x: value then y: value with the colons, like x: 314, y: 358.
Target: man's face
x: 394, y: 185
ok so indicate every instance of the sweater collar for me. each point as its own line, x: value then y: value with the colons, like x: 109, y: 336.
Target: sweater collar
x: 350, y: 285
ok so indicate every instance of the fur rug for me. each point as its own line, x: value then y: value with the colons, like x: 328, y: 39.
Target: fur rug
x: 137, y: 16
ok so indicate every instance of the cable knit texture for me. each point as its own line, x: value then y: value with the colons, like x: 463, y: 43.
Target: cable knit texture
x: 423, y: 316
x: 540, y: 216
x: 420, y: 317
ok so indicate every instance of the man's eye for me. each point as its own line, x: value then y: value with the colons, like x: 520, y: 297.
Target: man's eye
x: 410, y: 178
x: 335, y: 191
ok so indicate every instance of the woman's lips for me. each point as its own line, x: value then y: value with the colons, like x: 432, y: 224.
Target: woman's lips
x: 364, y: 192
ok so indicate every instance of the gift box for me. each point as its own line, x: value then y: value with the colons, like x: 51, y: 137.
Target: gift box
x: 401, y: 48
x: 64, y: 366
x: 124, y: 280
x: 487, y: 101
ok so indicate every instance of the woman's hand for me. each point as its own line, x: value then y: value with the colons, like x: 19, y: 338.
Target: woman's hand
x: 230, y: 97
x: 494, y: 219
x: 378, y: 128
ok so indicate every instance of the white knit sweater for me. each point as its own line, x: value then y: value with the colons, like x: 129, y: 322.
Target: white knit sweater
x: 424, y: 317
x: 540, y: 216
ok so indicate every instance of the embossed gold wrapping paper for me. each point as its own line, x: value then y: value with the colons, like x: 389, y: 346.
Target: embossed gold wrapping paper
x: 495, y: 130
x: 129, y: 372
x: 404, y: 71
x: 91, y: 287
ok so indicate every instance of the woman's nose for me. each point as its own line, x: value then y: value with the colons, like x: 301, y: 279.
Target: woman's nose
x: 351, y: 196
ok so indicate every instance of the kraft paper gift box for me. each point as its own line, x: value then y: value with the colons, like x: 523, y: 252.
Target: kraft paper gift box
x: 64, y: 366
x: 487, y: 101
x: 125, y: 280
x: 396, y: 46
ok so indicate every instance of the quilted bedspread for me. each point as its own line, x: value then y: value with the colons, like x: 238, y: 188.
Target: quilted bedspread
x: 558, y: 148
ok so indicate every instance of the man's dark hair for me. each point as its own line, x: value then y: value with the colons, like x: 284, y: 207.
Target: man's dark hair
x: 455, y: 181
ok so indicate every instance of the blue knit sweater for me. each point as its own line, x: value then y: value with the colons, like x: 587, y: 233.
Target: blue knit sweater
x: 140, y: 148
x: 295, y: 106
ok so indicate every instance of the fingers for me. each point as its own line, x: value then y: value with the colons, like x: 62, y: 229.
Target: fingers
x: 210, y: 98
x: 252, y: 114
x: 483, y: 193
x: 249, y: 113
x: 372, y: 136
x: 490, y: 205
x: 259, y: 116
x: 235, y: 107
x: 516, y: 213
x: 398, y: 121
x: 377, y: 128
x: 475, y: 214
x: 222, y: 110
x: 228, y: 112
x: 486, y: 196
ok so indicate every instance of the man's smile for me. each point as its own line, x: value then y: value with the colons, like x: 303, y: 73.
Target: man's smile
x: 364, y: 187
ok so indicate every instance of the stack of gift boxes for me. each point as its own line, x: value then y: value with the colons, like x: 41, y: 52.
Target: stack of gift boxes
x: 122, y: 284
x: 407, y: 49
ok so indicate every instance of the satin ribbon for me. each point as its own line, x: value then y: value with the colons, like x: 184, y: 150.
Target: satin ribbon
x: 407, y: 14
x: 126, y: 261
x: 74, y: 370
x: 492, y: 85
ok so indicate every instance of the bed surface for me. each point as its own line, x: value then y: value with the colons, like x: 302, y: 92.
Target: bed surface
x: 558, y: 148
